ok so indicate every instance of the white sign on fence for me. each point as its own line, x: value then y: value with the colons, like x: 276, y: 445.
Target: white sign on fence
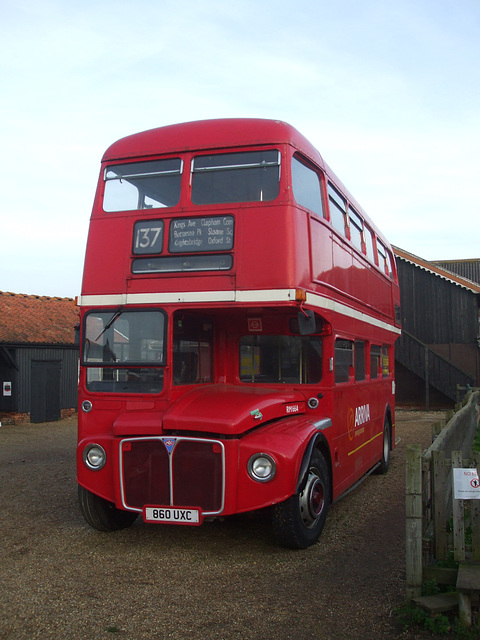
x: 466, y: 484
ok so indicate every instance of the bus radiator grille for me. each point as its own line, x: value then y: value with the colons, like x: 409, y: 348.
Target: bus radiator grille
x: 172, y: 471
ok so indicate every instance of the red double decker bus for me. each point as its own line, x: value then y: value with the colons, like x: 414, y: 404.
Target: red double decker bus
x: 238, y: 318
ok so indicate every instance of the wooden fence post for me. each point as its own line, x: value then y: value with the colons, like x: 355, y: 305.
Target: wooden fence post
x: 436, y: 429
x: 414, y: 522
x: 458, y: 514
x: 439, y: 505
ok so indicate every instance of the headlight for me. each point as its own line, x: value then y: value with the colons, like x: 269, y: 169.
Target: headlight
x: 94, y: 457
x: 86, y: 406
x: 261, y: 467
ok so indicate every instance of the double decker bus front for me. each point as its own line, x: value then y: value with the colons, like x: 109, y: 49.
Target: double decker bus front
x: 222, y: 310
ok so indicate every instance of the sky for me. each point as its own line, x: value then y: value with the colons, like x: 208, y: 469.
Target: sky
x: 387, y: 91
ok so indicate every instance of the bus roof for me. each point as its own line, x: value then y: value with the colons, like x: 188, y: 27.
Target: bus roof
x: 203, y: 135
x: 210, y: 134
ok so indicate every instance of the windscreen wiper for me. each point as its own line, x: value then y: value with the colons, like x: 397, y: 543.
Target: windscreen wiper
x: 116, y: 315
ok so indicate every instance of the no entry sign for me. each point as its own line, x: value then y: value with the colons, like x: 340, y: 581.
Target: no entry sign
x: 466, y: 484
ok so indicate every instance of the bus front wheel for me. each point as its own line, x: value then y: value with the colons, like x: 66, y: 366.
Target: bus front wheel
x: 298, y: 522
x: 102, y: 514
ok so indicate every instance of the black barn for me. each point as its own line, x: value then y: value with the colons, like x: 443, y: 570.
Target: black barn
x: 438, y: 353
x: 38, y: 358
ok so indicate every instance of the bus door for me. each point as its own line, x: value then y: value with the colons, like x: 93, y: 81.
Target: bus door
x: 354, y: 448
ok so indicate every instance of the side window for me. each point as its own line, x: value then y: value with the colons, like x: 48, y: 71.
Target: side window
x: 385, y: 261
x: 375, y: 355
x: 385, y: 362
x: 343, y: 359
x: 306, y: 187
x: 359, y: 360
x: 280, y: 359
x: 390, y: 265
x: 338, y: 209
x: 356, y: 229
x: 369, y: 244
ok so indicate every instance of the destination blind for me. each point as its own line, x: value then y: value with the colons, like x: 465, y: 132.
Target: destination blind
x: 213, y: 233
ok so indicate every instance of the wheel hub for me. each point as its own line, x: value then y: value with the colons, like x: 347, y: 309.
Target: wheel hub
x: 312, y: 500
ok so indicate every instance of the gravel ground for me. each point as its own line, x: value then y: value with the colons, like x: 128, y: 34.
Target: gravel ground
x: 224, y: 580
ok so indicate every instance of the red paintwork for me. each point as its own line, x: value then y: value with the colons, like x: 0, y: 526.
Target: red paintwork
x: 225, y: 409
x: 278, y: 245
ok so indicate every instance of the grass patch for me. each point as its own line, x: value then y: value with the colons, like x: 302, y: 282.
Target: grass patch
x: 416, y: 619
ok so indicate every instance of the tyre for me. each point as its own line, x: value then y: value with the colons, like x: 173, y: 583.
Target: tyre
x: 298, y: 522
x: 101, y: 514
x: 385, y: 459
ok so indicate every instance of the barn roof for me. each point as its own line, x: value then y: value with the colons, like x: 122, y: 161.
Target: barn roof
x: 437, y: 270
x: 37, y: 319
x: 469, y: 269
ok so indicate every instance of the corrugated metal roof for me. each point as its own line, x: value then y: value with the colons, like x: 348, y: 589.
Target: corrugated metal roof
x: 37, y: 319
x: 436, y: 270
x: 469, y: 269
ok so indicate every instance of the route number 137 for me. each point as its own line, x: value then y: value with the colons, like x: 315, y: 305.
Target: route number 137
x: 148, y: 237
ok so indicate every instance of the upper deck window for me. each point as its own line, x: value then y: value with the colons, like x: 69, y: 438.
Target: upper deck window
x: 369, y: 244
x: 338, y: 209
x: 385, y: 259
x: 249, y: 176
x: 306, y: 187
x: 356, y: 228
x: 142, y: 185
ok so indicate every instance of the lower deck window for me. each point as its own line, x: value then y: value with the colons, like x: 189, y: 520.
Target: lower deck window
x: 343, y: 360
x: 123, y: 380
x: 281, y: 359
x: 359, y: 360
x: 375, y: 356
x: 385, y: 362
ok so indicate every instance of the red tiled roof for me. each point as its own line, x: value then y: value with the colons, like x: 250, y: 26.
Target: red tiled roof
x: 37, y: 319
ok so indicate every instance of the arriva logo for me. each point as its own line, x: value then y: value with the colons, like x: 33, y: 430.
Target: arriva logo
x: 362, y: 415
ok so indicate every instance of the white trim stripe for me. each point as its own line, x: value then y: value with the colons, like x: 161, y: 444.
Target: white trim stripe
x: 321, y: 302
x: 255, y: 296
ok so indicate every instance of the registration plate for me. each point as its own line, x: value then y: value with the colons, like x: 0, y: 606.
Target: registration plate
x: 172, y: 515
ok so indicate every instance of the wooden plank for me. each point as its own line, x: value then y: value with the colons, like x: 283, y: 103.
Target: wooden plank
x: 414, y: 521
x: 439, y: 491
x: 458, y: 515
x: 441, y: 575
x: 468, y: 578
x: 427, y: 512
x: 438, y: 603
x: 436, y: 429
